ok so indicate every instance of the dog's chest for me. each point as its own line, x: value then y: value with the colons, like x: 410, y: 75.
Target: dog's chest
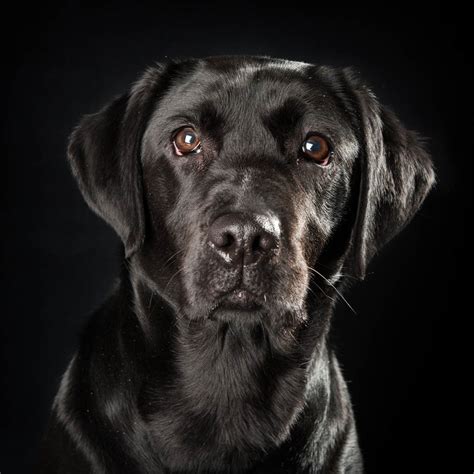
x: 224, y: 413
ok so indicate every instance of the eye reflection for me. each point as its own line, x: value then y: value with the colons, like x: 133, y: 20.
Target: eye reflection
x: 317, y: 148
x: 186, y: 141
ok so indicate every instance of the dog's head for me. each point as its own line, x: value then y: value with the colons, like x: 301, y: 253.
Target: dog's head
x: 233, y: 180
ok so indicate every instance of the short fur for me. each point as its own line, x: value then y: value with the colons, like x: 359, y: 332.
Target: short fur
x: 166, y: 378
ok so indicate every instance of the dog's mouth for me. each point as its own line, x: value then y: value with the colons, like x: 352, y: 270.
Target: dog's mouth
x: 239, y: 302
x: 240, y: 299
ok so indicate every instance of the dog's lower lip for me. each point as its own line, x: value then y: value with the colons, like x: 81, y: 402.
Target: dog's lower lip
x: 241, y: 300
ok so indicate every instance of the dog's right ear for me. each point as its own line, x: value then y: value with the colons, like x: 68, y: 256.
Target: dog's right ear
x: 104, y: 154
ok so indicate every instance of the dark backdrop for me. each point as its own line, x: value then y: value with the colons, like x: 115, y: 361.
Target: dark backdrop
x: 59, y: 260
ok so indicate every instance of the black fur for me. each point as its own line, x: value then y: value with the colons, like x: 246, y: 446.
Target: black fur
x: 168, y: 377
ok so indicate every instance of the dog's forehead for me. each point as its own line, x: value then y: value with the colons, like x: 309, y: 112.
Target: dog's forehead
x: 246, y: 90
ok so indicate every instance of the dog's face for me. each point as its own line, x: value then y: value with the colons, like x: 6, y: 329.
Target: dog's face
x: 234, y: 181
x: 246, y: 174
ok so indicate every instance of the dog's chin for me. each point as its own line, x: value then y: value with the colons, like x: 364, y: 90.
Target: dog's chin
x: 225, y: 314
x: 238, y: 306
x: 237, y: 316
x: 262, y: 326
x: 243, y: 308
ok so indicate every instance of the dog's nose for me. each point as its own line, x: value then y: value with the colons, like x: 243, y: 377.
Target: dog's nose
x: 238, y: 238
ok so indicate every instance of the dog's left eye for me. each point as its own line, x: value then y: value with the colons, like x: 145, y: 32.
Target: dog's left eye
x: 186, y: 141
x: 318, y: 149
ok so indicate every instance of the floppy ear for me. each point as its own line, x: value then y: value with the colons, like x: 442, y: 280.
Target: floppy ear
x: 396, y: 175
x: 104, y: 154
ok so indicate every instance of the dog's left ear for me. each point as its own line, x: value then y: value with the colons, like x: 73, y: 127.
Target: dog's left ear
x: 104, y: 154
x: 396, y: 175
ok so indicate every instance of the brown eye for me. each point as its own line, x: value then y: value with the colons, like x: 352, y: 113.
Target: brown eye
x: 186, y: 141
x: 317, y: 148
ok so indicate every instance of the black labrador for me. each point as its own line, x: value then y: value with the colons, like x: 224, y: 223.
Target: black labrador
x: 245, y: 191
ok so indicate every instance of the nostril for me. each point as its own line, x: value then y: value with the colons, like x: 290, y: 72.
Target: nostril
x: 226, y: 239
x: 266, y: 242
x: 263, y: 243
x: 256, y: 242
x: 222, y: 239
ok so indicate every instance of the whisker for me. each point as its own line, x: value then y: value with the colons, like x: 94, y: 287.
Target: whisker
x: 174, y: 255
x: 173, y: 276
x: 347, y: 275
x: 335, y: 289
x: 151, y: 299
x: 325, y: 294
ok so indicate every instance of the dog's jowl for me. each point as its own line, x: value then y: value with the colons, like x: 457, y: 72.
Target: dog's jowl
x: 245, y: 190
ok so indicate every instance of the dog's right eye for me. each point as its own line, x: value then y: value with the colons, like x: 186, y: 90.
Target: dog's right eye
x: 186, y: 141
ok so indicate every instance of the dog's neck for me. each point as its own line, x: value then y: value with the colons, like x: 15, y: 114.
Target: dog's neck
x: 224, y: 393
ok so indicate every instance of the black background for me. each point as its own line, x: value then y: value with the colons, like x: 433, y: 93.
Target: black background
x: 399, y: 352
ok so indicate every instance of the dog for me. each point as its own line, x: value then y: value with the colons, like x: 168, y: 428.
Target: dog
x: 246, y: 191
